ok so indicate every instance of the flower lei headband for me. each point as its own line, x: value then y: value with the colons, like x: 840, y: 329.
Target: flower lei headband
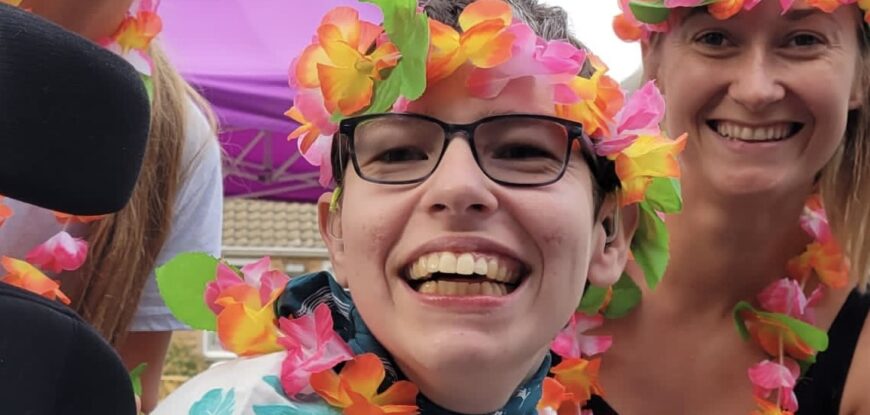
x: 640, y: 18
x: 355, y: 67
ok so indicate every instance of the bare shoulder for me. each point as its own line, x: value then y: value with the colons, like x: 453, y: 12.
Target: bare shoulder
x: 856, y: 400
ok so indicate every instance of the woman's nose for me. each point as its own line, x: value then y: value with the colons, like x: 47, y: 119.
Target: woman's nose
x: 458, y: 187
x: 756, y: 84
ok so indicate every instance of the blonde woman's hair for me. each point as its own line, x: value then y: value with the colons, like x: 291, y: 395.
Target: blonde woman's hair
x: 845, y: 181
x: 124, y: 246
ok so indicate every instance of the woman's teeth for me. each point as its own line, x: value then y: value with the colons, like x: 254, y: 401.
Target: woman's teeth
x: 463, y: 289
x: 773, y: 132
x: 463, y: 274
x: 493, y: 268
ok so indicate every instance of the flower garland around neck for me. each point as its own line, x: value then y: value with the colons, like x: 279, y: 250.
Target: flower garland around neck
x: 354, y: 67
x: 63, y: 252
x: 783, y: 323
x: 640, y: 18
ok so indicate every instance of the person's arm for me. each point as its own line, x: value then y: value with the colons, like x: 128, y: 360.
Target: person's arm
x: 856, y: 400
x: 147, y: 347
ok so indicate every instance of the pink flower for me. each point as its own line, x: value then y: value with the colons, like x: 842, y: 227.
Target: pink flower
x: 258, y: 275
x: 555, y: 62
x: 814, y: 220
x: 60, y: 253
x: 312, y: 346
x: 767, y: 377
x: 641, y: 115
x: 570, y: 343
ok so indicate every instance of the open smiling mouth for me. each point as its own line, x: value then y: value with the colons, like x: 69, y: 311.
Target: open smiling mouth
x: 758, y: 134
x: 464, y: 274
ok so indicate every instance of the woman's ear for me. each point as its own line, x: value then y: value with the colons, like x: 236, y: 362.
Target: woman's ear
x: 612, y: 244
x: 329, y: 223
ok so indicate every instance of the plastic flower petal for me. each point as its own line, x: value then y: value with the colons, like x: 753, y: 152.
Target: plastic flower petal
x: 571, y: 343
x: 600, y: 99
x: 769, y: 408
x: 312, y: 346
x: 485, y: 40
x: 61, y: 252
x: 814, y: 221
x: 641, y: 115
x: 341, y: 61
x: 779, y: 334
x: 5, y: 211
x: 27, y: 277
x: 65, y: 218
x: 445, y: 52
x: 579, y: 377
x: 550, y: 62
x: 826, y: 260
x: 767, y: 377
x: 784, y: 296
x: 355, y: 389
x: 314, y: 121
x: 248, y: 331
x: 647, y: 157
x: 243, y: 304
x: 555, y: 400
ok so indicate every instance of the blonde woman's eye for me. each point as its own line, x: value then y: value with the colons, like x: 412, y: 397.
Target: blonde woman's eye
x: 714, y: 39
x: 804, y: 40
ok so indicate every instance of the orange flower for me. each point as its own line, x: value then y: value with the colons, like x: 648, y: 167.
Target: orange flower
x: 555, y: 398
x: 340, y: 63
x: 828, y: 6
x: 625, y: 29
x: 355, y: 389
x: 484, y: 41
x: 865, y: 5
x: 65, y: 218
x: 647, y: 157
x: 601, y: 99
x: 579, y: 377
x: 136, y: 32
x: 5, y: 211
x: 25, y: 276
x: 772, y: 332
x: 826, y: 260
x: 725, y: 9
x: 768, y: 408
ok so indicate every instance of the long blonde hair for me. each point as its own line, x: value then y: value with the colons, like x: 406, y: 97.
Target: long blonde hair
x: 124, y: 246
x: 845, y: 180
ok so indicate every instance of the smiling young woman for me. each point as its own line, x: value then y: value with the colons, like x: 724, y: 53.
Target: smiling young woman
x: 776, y: 106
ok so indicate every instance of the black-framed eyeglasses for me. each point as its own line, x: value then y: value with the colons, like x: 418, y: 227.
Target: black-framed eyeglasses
x: 511, y: 149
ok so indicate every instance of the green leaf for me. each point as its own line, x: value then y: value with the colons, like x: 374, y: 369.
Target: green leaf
x: 182, y: 283
x: 814, y: 337
x: 149, y: 87
x: 409, y: 31
x: 136, y: 378
x: 738, y: 321
x: 650, y: 245
x: 651, y: 13
x: 215, y: 402
x: 664, y: 195
x: 809, y: 334
x: 655, y: 11
x: 626, y: 296
x: 592, y: 300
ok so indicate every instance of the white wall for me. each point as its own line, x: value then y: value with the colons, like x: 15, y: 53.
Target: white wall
x: 591, y: 23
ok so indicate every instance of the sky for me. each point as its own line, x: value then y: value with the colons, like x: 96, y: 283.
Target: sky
x: 591, y: 23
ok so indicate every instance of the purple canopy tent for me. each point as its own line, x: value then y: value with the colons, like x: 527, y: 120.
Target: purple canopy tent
x: 237, y: 54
